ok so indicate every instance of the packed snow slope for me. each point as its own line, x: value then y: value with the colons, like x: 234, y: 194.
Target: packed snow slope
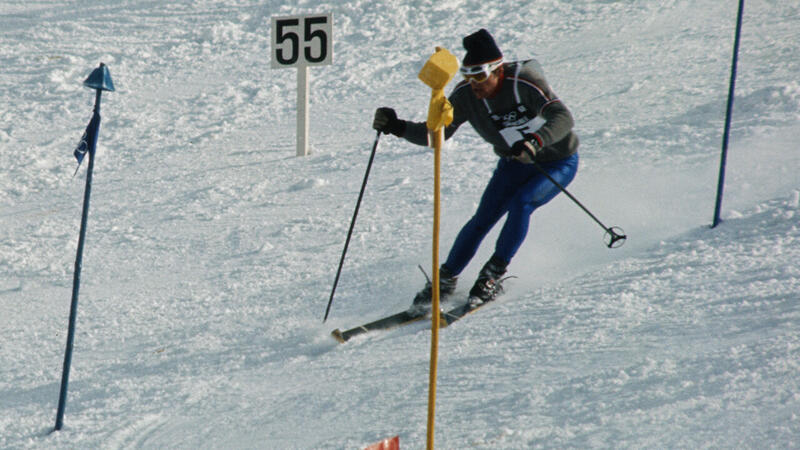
x: 212, y: 249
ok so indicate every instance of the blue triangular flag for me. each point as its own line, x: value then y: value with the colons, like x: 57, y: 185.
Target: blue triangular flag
x: 88, y: 140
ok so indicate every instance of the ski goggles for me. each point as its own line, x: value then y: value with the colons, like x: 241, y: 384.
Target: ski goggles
x: 481, y: 72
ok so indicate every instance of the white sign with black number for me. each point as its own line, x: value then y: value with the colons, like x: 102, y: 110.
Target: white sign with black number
x: 299, y: 41
x: 302, y: 42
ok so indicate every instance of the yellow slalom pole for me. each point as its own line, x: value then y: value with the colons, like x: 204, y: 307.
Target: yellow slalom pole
x: 437, y: 143
x: 437, y: 72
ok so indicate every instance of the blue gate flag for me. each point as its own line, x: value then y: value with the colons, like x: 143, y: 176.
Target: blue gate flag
x: 88, y: 140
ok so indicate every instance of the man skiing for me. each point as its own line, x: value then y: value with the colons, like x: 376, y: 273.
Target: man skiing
x: 511, y: 106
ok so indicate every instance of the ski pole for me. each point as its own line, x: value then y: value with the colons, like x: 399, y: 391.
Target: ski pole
x: 616, y: 236
x: 352, y: 224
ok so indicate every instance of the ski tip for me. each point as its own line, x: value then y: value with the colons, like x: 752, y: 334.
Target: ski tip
x: 337, y: 334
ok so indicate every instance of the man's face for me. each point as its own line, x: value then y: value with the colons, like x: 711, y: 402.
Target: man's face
x: 487, y: 88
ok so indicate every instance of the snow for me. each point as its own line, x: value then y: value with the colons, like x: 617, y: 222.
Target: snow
x: 212, y: 249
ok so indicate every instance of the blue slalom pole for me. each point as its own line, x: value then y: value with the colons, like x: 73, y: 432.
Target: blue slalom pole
x: 100, y: 80
x: 728, y: 115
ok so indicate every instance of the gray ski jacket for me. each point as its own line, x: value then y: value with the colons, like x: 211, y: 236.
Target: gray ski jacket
x: 524, y: 104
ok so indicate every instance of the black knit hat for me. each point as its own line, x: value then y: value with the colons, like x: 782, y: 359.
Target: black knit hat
x: 481, y: 49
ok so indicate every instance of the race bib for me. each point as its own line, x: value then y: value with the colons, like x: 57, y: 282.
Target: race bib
x: 512, y: 125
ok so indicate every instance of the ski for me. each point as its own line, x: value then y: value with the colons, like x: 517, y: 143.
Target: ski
x: 452, y: 315
x: 458, y: 312
x: 404, y: 318
x: 393, y: 321
x: 412, y: 315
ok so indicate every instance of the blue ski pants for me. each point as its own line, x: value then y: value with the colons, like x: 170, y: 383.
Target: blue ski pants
x: 516, y: 189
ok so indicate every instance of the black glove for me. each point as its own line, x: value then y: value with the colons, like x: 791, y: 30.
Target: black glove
x: 386, y: 121
x: 526, y: 148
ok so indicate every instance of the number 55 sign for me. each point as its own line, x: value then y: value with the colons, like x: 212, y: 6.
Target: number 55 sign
x: 302, y: 41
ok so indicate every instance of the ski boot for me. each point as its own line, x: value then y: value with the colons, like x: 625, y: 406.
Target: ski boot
x: 447, y: 285
x: 487, y: 287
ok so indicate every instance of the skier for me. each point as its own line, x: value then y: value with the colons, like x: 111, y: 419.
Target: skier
x: 511, y: 106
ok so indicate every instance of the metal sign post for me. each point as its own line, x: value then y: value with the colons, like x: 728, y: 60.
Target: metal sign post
x: 302, y: 42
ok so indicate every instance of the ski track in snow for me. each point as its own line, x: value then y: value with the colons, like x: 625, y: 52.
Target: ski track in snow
x: 211, y: 249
